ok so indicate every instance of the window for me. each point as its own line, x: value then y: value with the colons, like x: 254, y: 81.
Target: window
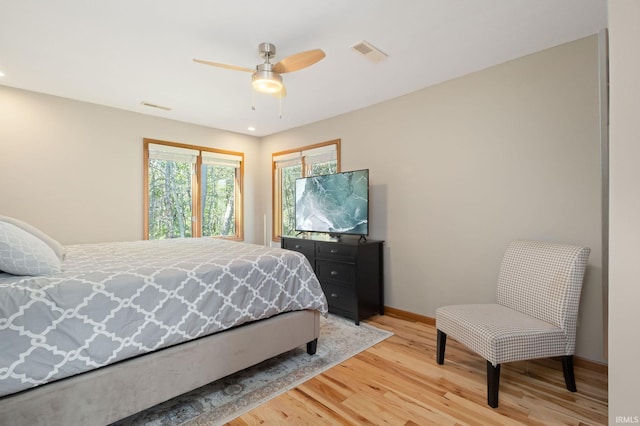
x: 319, y: 159
x: 191, y: 191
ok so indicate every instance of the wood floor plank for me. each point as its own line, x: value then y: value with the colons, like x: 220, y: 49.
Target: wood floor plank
x: 398, y: 382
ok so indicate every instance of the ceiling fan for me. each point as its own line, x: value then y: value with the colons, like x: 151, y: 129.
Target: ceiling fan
x: 267, y: 77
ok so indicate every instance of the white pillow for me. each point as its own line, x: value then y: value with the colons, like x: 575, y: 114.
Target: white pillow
x: 57, y: 248
x: 21, y: 253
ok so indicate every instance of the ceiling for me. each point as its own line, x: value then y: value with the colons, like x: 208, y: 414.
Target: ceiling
x: 121, y: 53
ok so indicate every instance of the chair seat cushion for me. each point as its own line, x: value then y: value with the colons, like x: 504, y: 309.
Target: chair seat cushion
x: 500, y: 334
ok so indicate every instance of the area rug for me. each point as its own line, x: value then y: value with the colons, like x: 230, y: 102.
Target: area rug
x: 234, y: 395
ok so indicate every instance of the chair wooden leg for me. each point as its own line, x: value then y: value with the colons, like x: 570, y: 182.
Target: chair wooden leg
x: 493, y: 384
x: 440, y: 345
x: 567, y: 369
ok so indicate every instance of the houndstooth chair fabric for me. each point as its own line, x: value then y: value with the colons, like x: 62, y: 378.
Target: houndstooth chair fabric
x: 536, y: 312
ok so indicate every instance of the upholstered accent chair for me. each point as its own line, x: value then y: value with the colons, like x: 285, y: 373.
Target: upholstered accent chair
x: 535, y: 316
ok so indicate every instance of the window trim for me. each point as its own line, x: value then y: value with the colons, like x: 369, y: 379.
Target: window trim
x: 276, y: 201
x: 195, y: 194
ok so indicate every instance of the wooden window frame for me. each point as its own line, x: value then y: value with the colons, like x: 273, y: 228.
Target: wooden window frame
x: 276, y: 186
x: 195, y: 194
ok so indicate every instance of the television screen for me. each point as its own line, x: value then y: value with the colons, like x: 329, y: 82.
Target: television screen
x: 336, y: 204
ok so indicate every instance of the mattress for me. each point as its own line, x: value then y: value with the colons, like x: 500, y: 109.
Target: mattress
x: 114, y: 301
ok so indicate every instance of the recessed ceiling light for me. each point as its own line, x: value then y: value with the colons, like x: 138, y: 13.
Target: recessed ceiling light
x: 251, y: 129
x: 1, y: 74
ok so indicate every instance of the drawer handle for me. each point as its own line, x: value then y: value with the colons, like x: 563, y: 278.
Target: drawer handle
x: 333, y: 251
x: 334, y: 273
x: 334, y: 295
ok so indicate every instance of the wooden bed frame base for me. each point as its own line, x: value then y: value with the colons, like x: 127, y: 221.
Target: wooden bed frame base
x: 116, y: 391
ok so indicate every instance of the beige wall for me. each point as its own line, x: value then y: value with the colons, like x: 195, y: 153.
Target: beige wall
x: 459, y: 169
x: 624, y: 283
x: 74, y: 169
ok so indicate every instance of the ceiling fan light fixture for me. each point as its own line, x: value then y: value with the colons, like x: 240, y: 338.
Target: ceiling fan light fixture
x: 267, y: 82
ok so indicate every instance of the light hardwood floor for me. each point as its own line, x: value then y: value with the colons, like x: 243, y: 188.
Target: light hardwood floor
x: 397, y: 382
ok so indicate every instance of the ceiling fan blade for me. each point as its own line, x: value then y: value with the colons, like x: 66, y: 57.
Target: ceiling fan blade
x: 298, y: 61
x: 227, y: 66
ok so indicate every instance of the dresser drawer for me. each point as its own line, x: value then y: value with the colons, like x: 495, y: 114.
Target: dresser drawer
x: 305, y: 247
x: 349, y: 271
x: 343, y: 252
x: 336, y: 271
x: 339, y: 297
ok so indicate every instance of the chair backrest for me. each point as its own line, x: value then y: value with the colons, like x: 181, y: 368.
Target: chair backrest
x: 544, y: 280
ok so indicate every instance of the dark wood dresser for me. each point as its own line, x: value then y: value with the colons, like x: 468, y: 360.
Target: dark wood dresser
x: 350, y: 272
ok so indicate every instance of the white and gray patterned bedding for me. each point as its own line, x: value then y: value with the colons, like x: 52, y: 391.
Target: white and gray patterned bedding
x: 113, y: 301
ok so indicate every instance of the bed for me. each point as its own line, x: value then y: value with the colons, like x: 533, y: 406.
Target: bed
x: 120, y: 327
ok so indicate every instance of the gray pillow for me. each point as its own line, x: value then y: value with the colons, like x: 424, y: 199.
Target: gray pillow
x: 57, y: 248
x: 21, y: 253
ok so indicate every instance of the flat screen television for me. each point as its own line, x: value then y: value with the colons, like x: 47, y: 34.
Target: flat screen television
x: 335, y: 204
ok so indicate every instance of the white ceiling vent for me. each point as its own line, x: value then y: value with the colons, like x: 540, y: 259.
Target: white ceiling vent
x: 147, y: 104
x: 369, y: 51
